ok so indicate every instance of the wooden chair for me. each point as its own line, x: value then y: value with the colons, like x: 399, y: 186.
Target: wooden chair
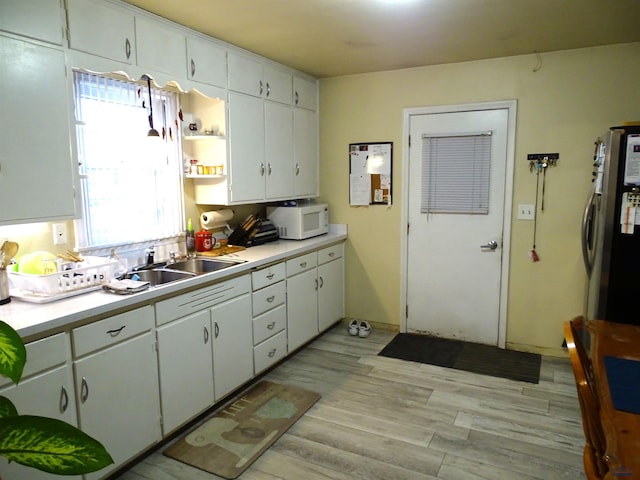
x: 594, y: 449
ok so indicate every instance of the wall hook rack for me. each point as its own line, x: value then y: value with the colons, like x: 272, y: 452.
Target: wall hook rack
x: 542, y: 160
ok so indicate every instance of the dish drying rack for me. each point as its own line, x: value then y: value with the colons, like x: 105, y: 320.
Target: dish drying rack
x: 73, y: 278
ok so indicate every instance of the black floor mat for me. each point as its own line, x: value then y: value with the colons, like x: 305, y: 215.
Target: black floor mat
x: 471, y: 357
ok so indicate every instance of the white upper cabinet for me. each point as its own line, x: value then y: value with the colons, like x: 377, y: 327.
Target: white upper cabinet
x: 38, y: 177
x: 206, y: 62
x: 305, y: 93
x: 305, y: 151
x: 252, y: 77
x: 160, y: 47
x: 101, y: 29
x: 39, y: 19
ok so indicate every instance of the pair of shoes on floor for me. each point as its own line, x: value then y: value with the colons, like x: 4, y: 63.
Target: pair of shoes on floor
x: 360, y: 328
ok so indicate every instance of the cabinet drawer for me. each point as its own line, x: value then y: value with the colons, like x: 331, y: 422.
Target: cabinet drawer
x: 268, y: 298
x: 268, y: 324
x: 187, y: 303
x: 44, y: 354
x: 267, y: 276
x: 111, y: 330
x: 330, y: 253
x: 269, y: 352
x: 301, y: 263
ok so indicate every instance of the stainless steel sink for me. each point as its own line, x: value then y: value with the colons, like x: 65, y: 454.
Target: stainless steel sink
x: 201, y: 265
x: 159, y: 276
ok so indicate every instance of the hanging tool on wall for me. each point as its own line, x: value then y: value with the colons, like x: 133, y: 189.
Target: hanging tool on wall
x: 540, y: 162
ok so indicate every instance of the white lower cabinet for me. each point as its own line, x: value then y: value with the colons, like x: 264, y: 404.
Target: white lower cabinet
x: 232, y: 345
x: 205, y: 346
x: 46, y: 389
x: 315, y: 294
x: 116, y: 376
x: 184, y: 356
x: 269, y: 297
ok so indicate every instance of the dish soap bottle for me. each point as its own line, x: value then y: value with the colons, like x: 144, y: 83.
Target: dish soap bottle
x: 190, y: 240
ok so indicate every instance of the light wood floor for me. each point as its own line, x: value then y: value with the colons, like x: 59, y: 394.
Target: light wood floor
x: 387, y: 419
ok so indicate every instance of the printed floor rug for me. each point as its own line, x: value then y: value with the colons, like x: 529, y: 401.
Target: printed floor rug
x: 471, y: 357
x: 229, y: 442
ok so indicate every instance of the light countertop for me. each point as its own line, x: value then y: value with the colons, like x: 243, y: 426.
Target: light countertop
x: 33, y: 320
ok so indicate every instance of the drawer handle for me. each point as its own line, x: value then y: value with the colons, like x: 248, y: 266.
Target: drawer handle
x: 332, y: 254
x: 84, y: 390
x: 271, y: 298
x: 271, y: 326
x: 272, y: 352
x: 64, y: 400
x: 206, y: 335
x: 270, y: 276
x: 303, y: 264
x: 116, y: 332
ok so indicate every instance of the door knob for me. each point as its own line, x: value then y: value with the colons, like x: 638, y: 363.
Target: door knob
x: 491, y: 245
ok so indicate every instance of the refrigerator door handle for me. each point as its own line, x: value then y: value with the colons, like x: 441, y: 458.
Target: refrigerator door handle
x: 587, y: 219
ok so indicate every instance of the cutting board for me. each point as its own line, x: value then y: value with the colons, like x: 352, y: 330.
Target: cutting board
x: 216, y: 252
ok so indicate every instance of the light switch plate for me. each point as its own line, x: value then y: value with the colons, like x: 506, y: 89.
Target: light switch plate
x: 526, y: 211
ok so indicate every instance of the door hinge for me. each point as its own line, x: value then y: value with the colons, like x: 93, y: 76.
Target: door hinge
x: 408, y: 228
x: 406, y: 312
x: 409, y: 141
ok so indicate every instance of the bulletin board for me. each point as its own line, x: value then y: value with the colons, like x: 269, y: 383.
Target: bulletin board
x: 370, y: 173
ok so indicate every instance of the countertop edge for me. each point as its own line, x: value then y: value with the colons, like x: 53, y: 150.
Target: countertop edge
x: 64, y: 314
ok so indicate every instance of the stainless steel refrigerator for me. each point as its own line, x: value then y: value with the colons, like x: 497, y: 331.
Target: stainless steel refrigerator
x: 611, y: 229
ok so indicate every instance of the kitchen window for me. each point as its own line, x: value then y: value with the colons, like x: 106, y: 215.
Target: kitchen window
x: 131, y: 183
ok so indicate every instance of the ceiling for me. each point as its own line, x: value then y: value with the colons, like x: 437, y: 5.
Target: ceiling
x: 327, y: 38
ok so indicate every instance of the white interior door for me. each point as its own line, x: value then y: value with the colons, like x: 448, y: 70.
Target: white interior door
x: 454, y: 274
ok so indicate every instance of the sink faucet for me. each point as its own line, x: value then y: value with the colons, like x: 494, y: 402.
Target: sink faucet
x: 149, y: 252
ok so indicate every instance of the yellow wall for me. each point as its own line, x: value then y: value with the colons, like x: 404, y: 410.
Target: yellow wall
x: 574, y: 97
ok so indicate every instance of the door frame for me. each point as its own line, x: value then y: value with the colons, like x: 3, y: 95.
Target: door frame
x: 511, y: 107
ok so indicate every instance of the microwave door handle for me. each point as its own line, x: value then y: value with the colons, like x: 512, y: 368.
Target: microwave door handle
x: 587, y: 224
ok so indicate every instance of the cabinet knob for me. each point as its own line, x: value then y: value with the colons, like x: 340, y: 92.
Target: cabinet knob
x: 261, y: 169
x: 297, y: 169
x: 193, y: 67
x: 271, y: 326
x: 64, y: 399
x: 270, y: 276
x: 269, y: 168
x: 127, y: 48
x: 272, y: 352
x: 206, y: 335
x: 84, y: 390
x: 271, y: 298
x: 297, y: 98
x: 268, y: 89
x: 261, y: 87
x: 116, y: 332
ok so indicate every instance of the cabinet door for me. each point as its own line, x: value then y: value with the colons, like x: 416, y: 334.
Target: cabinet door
x: 206, y: 62
x: 39, y: 19
x: 277, y: 85
x: 245, y: 75
x: 305, y: 153
x: 50, y: 395
x: 184, y: 354
x: 305, y: 93
x: 330, y: 293
x: 246, y: 148
x: 232, y: 344
x: 119, y: 405
x: 160, y: 48
x: 278, y: 150
x: 37, y: 175
x: 102, y: 29
x: 302, y: 308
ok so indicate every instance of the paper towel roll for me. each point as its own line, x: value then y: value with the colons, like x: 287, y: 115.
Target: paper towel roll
x: 216, y: 218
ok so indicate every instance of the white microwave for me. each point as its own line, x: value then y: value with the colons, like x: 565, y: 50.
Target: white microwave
x: 301, y: 221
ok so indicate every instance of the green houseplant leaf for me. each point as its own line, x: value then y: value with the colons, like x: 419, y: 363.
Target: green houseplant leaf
x: 46, y: 444
x: 13, y: 354
x: 50, y: 445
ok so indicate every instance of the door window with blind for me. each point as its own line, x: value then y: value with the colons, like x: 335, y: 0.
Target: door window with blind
x: 131, y: 183
x: 455, y: 174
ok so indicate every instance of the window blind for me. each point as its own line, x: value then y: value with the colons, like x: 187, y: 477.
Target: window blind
x: 131, y: 187
x: 455, y: 174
